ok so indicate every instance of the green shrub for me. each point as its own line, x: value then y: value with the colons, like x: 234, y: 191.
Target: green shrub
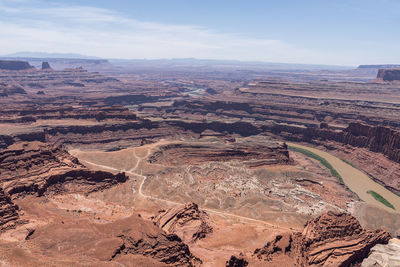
x: 380, y: 199
x: 319, y: 158
x: 351, y: 164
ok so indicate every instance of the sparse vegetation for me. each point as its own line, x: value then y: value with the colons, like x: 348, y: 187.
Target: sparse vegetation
x: 319, y: 158
x: 351, y: 164
x: 380, y: 199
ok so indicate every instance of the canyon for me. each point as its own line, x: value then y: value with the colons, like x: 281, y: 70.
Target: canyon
x: 177, y: 164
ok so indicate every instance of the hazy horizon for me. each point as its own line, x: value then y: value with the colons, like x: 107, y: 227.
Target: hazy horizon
x: 339, y: 32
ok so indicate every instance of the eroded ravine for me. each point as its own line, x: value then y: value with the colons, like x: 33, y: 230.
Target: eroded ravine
x: 356, y: 180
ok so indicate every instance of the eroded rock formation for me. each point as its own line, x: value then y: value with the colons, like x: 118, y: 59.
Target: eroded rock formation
x: 332, y: 239
x: 8, y: 212
x: 236, y: 262
x: 46, y: 66
x: 253, y: 154
x: 376, y: 138
x: 188, y: 222
x: 14, y: 65
x: 389, y: 75
x: 96, y: 243
x: 35, y: 167
x: 384, y: 255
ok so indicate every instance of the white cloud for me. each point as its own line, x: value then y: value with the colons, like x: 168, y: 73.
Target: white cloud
x: 106, y: 33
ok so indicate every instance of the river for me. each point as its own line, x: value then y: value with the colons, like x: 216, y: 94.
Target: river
x: 356, y: 180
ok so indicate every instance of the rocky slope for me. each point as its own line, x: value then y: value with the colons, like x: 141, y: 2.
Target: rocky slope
x: 95, y: 244
x: 188, y: 222
x: 9, y: 217
x: 333, y: 239
x: 34, y: 168
x: 384, y: 255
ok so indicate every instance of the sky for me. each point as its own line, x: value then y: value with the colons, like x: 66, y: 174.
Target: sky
x: 332, y: 32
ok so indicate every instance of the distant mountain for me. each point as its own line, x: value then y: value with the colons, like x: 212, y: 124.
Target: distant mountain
x: 29, y: 54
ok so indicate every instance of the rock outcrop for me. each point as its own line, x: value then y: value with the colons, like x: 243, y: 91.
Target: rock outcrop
x: 188, y: 222
x: 8, y: 212
x: 380, y: 139
x: 104, y: 243
x: 14, y: 65
x: 46, y: 66
x: 332, y: 239
x: 384, y: 255
x: 389, y: 75
x: 37, y: 168
x: 236, y: 262
x: 253, y: 154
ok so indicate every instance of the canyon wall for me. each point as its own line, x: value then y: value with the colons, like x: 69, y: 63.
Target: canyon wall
x: 14, y: 65
x: 389, y: 74
x: 378, y: 139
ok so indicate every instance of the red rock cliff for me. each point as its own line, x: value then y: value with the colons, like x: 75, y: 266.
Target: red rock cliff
x: 376, y: 138
x: 332, y: 239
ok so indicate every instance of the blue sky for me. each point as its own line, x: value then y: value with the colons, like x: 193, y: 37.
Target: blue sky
x: 336, y: 32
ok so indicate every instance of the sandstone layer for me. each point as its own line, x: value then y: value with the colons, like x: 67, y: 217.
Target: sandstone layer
x: 188, y: 222
x: 333, y: 239
x: 384, y: 255
x: 112, y: 242
x: 36, y: 168
x: 9, y: 217
x: 252, y: 153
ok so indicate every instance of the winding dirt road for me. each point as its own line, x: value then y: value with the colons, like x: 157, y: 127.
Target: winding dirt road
x: 169, y: 202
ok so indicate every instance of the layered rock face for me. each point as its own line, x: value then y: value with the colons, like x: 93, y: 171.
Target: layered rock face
x: 34, y: 167
x: 37, y: 168
x: 376, y: 138
x: 252, y: 154
x: 66, y: 112
x: 389, y: 75
x: 381, y: 139
x: 188, y: 222
x: 14, y: 65
x: 94, y: 244
x: 333, y: 239
x: 8, y: 212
